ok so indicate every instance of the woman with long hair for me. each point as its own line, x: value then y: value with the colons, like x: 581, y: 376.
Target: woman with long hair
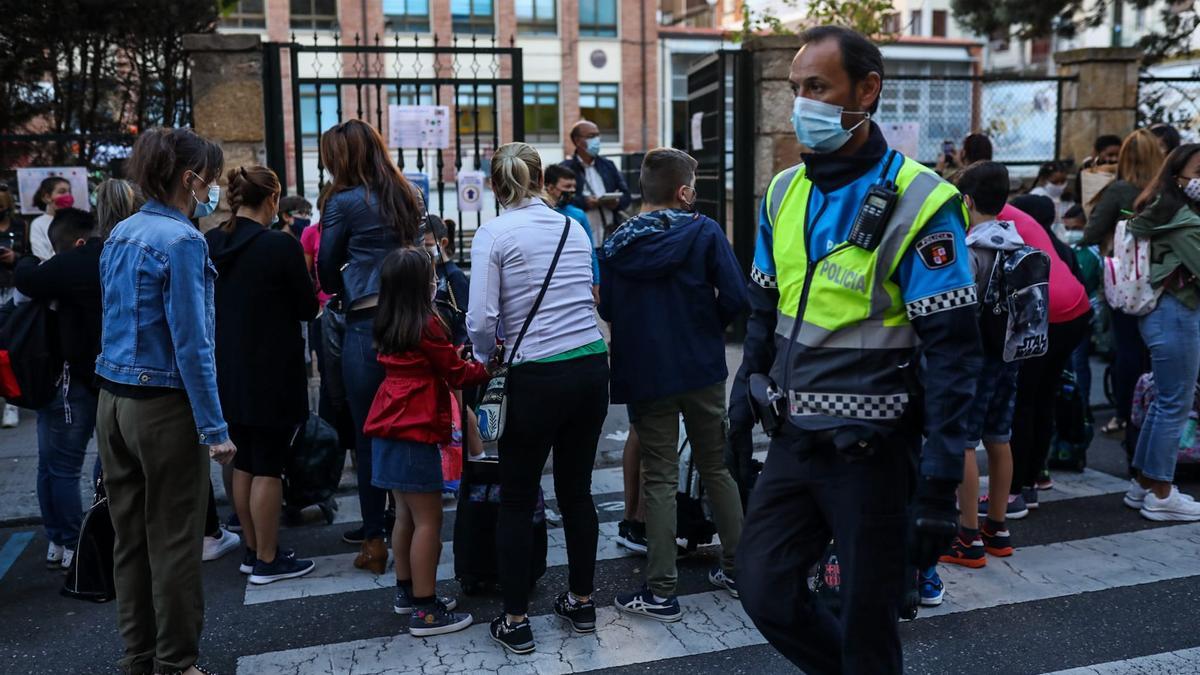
x: 1168, y: 214
x: 159, y: 417
x: 368, y: 209
x: 557, y: 383
x: 116, y: 200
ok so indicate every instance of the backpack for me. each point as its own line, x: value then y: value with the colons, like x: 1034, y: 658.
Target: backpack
x: 692, y: 523
x: 90, y: 576
x: 1127, y: 275
x: 1015, y: 317
x: 30, y: 365
x: 1073, y: 427
x: 314, y: 468
x: 1189, y: 442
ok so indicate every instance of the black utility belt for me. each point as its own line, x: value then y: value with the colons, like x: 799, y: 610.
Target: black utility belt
x: 853, y: 443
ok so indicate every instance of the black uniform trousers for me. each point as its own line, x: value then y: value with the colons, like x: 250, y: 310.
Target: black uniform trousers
x: 803, y: 497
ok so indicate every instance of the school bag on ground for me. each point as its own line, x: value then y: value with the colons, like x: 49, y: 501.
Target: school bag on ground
x: 1015, y: 317
x: 1073, y: 426
x: 90, y: 576
x: 30, y: 366
x: 1127, y: 274
x: 476, y: 516
x: 1189, y: 442
x: 691, y: 522
x: 314, y: 469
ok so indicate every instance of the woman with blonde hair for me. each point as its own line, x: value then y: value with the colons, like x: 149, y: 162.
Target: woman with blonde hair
x: 532, y: 283
x: 116, y: 200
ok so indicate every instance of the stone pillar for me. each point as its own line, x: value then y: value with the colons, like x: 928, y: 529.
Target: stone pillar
x: 1103, y: 100
x: 775, y: 145
x: 227, y: 100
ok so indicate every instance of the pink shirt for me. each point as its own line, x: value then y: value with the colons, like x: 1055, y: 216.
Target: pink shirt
x: 310, y: 241
x: 1068, y: 299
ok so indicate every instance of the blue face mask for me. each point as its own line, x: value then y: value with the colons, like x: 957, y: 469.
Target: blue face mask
x: 818, y: 125
x: 203, y: 209
x: 593, y: 146
x: 274, y: 221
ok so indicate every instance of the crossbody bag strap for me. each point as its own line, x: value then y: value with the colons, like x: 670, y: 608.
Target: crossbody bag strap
x: 542, y: 293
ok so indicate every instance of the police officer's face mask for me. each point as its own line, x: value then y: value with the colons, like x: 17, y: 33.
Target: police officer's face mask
x: 818, y: 124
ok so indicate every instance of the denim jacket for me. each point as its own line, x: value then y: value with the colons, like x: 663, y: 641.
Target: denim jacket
x: 355, y: 238
x: 158, y: 312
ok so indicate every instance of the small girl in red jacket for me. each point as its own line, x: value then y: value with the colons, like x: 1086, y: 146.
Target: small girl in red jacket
x: 410, y: 416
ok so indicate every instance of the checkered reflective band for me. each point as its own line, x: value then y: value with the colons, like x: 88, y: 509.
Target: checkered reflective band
x: 763, y: 279
x: 941, y: 302
x: 854, y: 406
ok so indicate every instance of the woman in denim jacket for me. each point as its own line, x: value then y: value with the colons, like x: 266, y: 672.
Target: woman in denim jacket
x: 367, y: 210
x: 159, y: 418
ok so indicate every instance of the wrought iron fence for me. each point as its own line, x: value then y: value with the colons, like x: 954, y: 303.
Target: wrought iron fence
x: 1173, y: 100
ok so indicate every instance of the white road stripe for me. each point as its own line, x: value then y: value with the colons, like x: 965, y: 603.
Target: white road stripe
x: 714, y: 622
x: 1073, y: 485
x: 1182, y: 662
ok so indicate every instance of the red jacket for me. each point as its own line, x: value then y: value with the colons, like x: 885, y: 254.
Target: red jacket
x: 413, y: 402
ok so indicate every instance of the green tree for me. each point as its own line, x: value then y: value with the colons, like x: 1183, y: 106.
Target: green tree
x: 869, y: 17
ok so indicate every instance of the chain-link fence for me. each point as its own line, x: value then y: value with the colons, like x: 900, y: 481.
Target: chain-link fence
x: 924, y: 115
x: 1173, y: 100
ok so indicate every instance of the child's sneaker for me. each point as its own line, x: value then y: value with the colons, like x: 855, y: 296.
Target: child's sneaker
x: 516, y: 638
x: 996, y: 542
x: 582, y: 615
x: 643, y: 603
x: 403, y: 602
x: 632, y: 535
x: 717, y: 577
x: 1030, y: 494
x: 436, y: 619
x: 932, y: 590
x: 1016, y: 508
x: 966, y: 553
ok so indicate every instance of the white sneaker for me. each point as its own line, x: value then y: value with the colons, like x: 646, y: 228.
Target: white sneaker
x: 1135, y: 496
x: 54, y: 555
x: 12, y: 416
x: 215, y: 547
x: 1177, y: 506
x: 68, y: 558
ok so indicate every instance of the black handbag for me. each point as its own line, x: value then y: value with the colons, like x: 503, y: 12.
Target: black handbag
x: 90, y: 576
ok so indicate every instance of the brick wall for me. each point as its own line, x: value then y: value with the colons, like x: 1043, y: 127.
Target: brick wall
x: 639, y: 82
x: 569, y: 88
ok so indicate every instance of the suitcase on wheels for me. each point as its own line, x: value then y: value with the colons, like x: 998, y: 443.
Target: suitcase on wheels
x: 476, y: 517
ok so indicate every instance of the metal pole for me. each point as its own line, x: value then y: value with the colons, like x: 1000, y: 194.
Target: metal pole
x: 297, y: 129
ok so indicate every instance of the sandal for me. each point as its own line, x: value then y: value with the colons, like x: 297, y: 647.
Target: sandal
x: 1114, y: 425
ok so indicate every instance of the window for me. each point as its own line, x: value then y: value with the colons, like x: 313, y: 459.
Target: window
x: 468, y: 121
x: 407, y: 16
x: 314, y: 14
x: 472, y: 16
x: 598, y: 18
x: 891, y: 22
x: 999, y: 39
x: 914, y: 26
x: 598, y: 104
x: 939, y: 23
x: 1139, y: 18
x: 409, y: 95
x: 541, y: 112
x: 312, y: 124
x: 537, y: 17
x: 245, y: 14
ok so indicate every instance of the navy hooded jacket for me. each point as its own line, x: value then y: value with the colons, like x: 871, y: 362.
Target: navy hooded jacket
x: 669, y: 284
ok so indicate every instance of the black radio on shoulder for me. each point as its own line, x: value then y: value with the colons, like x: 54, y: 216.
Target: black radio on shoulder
x: 873, y: 216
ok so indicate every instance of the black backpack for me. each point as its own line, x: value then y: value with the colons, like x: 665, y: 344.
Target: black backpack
x: 691, y: 522
x: 29, y: 350
x: 1073, y: 426
x: 315, y: 466
x: 1015, y: 318
x: 90, y: 576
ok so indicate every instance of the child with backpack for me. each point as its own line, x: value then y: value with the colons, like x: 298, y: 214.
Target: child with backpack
x: 409, y: 418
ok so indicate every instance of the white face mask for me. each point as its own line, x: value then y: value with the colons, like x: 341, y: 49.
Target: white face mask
x: 1192, y: 190
x: 1055, y: 192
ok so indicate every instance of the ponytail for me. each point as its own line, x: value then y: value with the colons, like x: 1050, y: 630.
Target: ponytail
x: 249, y: 187
x: 516, y: 173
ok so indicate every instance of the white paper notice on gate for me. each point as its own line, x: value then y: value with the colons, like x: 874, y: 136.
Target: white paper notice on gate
x: 903, y: 137
x: 29, y: 178
x: 419, y: 126
x: 470, y: 191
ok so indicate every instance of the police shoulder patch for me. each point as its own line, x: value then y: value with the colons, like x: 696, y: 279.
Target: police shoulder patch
x: 936, y: 250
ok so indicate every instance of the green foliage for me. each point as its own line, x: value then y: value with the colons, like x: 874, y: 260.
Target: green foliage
x: 868, y: 17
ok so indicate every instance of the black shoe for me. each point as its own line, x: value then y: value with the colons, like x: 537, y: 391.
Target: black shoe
x: 250, y: 557
x: 582, y: 615
x: 435, y: 619
x: 354, y: 537
x: 632, y: 535
x: 279, y: 569
x: 233, y: 524
x: 403, y: 602
x: 517, y: 639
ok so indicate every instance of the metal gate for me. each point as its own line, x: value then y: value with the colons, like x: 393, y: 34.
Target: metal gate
x: 328, y: 82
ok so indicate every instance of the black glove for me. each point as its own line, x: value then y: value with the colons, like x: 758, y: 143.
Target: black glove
x: 934, y: 521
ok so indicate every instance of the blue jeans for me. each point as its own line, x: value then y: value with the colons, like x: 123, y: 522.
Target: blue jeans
x: 362, y: 375
x: 61, y: 446
x: 1172, y: 332
x: 1082, y: 366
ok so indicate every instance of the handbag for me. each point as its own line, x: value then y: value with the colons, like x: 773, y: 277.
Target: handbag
x: 91, y: 576
x: 493, y: 405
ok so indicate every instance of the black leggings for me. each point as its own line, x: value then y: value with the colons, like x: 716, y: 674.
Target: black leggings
x: 559, y: 406
x: 1037, y: 388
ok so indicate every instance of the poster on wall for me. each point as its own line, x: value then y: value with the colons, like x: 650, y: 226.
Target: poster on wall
x: 28, y: 180
x: 419, y: 126
x: 470, y: 191
x: 421, y: 182
x: 904, y: 137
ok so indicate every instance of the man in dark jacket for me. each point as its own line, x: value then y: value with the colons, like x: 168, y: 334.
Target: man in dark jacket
x: 680, y: 286
x: 600, y: 188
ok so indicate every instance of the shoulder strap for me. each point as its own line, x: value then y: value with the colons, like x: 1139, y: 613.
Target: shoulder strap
x: 542, y: 293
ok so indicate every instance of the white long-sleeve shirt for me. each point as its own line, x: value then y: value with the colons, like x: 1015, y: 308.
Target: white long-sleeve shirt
x: 509, y: 258
x: 39, y: 237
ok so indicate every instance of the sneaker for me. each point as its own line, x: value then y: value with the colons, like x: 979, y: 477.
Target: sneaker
x: 1176, y: 507
x: 717, y: 577
x: 218, y: 546
x: 54, y: 556
x: 354, y: 537
x: 932, y: 590
x: 552, y: 517
x: 403, y: 602
x: 1030, y: 495
x: 642, y: 603
x: 12, y: 417
x: 1016, y: 509
x: 233, y: 524
x: 1044, y: 481
x: 1135, y: 496
x: 516, y: 638
x: 582, y: 615
x: 436, y: 619
x: 68, y: 558
x: 966, y: 553
x: 632, y: 535
x: 250, y: 557
x: 279, y: 569
x: 998, y: 543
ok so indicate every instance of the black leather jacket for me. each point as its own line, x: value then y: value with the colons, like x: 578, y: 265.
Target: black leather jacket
x: 355, y: 237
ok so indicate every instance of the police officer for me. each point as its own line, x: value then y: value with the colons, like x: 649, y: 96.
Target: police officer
x: 861, y: 288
